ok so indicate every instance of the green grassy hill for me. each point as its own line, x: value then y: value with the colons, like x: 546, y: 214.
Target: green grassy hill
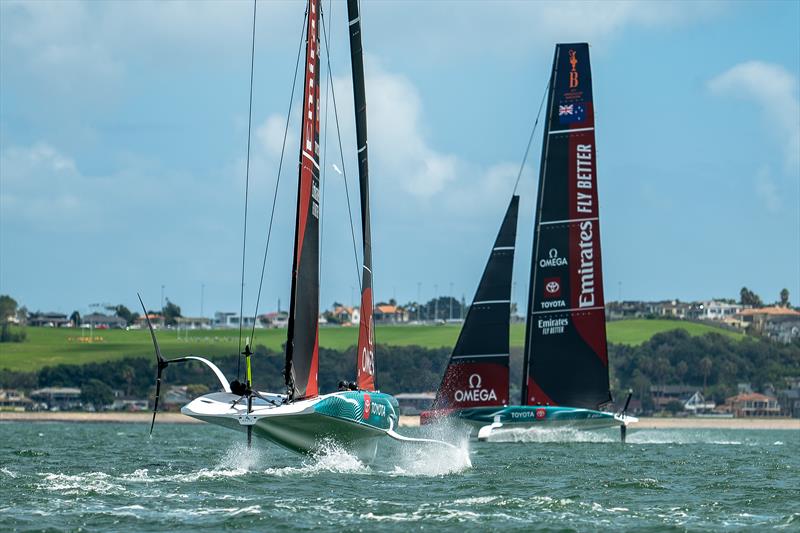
x: 49, y: 346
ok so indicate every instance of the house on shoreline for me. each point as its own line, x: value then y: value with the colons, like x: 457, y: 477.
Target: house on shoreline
x: 751, y: 404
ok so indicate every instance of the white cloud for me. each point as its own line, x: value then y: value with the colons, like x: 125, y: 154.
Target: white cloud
x: 775, y: 91
x: 397, y: 140
x: 270, y: 135
x: 439, y: 31
x: 45, y: 188
x: 39, y: 183
x: 767, y: 190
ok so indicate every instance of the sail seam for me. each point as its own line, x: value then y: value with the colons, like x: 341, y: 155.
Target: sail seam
x: 480, y: 355
x: 486, y: 302
x: 571, y: 310
x: 502, y: 248
x: 310, y: 158
x: 567, y: 221
x: 570, y: 131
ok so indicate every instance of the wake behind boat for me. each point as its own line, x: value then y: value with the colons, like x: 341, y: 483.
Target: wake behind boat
x: 565, y: 370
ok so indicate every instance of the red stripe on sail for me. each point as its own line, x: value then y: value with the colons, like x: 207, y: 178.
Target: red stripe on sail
x: 366, y: 344
x: 586, y: 277
x: 536, y: 396
x: 310, y: 121
x: 312, y: 388
x: 306, y: 178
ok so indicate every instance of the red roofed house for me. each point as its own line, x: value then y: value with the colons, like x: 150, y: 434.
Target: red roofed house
x: 388, y: 313
x: 779, y: 323
x: 750, y: 404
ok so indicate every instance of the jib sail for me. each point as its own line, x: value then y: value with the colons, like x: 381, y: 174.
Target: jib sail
x: 365, y: 358
x: 302, y: 346
x: 565, y: 358
x: 477, y: 374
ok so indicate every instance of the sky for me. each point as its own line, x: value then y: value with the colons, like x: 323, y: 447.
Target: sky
x: 123, y: 142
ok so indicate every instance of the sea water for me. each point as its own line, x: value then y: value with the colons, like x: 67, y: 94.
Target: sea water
x: 112, y: 477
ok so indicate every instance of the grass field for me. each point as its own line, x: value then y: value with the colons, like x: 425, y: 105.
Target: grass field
x: 50, y: 346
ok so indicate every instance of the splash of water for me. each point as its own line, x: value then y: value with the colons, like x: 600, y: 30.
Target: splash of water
x: 330, y: 457
x: 535, y: 434
x: 431, y: 459
x: 240, y: 458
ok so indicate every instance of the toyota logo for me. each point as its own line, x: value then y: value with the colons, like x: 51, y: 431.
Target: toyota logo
x: 552, y: 287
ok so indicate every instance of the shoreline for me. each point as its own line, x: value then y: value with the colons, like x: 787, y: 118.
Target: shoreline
x: 405, y: 421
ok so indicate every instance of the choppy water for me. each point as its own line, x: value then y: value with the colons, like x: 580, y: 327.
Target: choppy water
x: 108, y: 477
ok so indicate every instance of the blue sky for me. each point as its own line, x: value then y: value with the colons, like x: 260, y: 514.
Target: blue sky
x: 123, y: 130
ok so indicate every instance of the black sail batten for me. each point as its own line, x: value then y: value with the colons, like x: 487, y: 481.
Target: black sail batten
x: 477, y: 373
x: 365, y: 358
x: 302, y: 345
x: 565, y: 355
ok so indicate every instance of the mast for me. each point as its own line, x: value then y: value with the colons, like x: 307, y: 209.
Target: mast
x: 477, y: 374
x: 365, y: 357
x: 302, y: 344
x: 566, y: 357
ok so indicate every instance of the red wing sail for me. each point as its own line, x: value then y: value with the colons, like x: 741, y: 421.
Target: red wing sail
x: 302, y: 346
x: 477, y: 374
x: 566, y: 358
x: 365, y: 358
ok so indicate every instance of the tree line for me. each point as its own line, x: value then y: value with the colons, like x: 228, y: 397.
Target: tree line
x: 714, y: 363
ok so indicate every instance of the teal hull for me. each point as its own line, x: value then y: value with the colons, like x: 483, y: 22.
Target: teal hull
x: 353, y: 420
x: 527, y: 416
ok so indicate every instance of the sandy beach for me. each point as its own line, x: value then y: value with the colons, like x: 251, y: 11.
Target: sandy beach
x: 405, y: 421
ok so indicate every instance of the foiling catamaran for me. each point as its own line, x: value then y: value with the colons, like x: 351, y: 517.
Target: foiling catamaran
x: 302, y: 419
x: 565, y: 379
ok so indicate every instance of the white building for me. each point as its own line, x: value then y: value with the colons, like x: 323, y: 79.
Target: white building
x: 698, y: 404
x: 714, y: 310
x: 227, y: 319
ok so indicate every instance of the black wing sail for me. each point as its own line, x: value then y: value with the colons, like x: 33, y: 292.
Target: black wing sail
x: 302, y: 345
x: 477, y: 374
x: 566, y: 357
x: 365, y: 358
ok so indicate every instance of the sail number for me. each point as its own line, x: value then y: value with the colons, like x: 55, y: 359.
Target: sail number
x: 368, y: 361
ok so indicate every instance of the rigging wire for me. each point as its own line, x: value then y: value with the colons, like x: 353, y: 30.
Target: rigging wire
x: 341, y: 155
x: 278, y: 180
x: 530, y: 139
x: 246, y: 188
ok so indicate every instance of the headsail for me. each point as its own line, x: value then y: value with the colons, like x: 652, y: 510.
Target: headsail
x: 566, y: 357
x: 477, y: 374
x: 365, y: 359
x: 302, y: 346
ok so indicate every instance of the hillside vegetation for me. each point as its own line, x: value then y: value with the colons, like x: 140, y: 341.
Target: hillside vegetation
x: 52, y: 346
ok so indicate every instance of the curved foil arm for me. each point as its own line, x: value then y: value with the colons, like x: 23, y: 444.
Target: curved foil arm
x: 214, y: 368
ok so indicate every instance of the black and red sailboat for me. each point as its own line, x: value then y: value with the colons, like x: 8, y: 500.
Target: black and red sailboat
x: 565, y: 368
x: 303, y: 419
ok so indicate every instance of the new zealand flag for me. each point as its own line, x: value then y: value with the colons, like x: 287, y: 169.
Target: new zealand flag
x: 569, y: 113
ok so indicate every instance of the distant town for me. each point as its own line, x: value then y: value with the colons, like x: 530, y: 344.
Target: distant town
x: 777, y: 323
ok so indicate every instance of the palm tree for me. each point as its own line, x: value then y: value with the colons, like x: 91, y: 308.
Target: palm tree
x: 705, y: 366
x: 785, y: 298
x: 128, y: 375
